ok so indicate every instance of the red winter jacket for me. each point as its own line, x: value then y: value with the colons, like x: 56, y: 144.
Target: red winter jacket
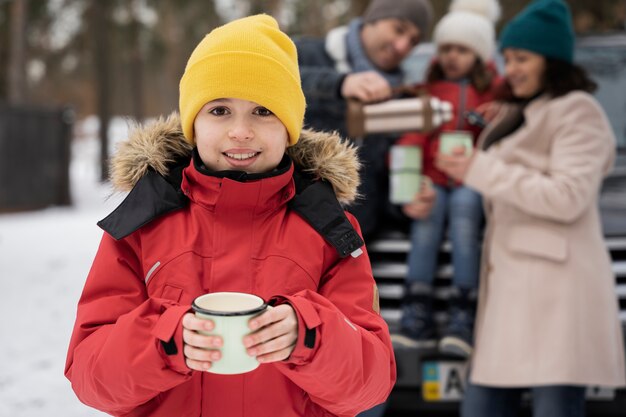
x: 464, y: 97
x: 125, y: 356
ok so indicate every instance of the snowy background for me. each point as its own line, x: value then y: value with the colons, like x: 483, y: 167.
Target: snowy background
x: 44, y: 259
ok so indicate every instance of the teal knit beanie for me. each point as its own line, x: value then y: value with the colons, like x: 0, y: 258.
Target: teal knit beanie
x: 544, y: 27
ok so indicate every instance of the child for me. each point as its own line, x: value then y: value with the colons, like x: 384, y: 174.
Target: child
x: 460, y: 74
x: 235, y: 198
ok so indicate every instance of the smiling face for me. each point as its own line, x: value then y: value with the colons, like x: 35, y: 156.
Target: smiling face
x: 234, y: 134
x: 388, y: 41
x: 524, y: 71
x: 456, y: 61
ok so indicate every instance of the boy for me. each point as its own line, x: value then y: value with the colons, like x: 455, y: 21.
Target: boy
x: 230, y: 204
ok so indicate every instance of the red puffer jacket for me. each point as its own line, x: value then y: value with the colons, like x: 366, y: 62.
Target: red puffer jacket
x: 464, y: 97
x: 125, y: 355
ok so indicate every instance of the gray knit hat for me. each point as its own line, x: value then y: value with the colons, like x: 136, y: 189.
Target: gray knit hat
x: 418, y: 12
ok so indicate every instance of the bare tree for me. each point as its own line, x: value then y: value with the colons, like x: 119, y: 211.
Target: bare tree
x: 181, y: 25
x: 136, y: 64
x: 16, y: 80
x: 100, y: 22
x: 171, y: 59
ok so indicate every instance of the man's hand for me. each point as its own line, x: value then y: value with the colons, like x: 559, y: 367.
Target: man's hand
x: 275, y: 334
x: 423, y: 203
x: 367, y: 87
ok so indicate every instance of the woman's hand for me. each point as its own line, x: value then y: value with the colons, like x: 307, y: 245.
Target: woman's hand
x: 423, y: 203
x: 456, y: 164
x: 199, y: 350
x: 275, y: 334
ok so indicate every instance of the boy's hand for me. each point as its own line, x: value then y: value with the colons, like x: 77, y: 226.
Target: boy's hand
x: 422, y: 205
x: 275, y: 334
x: 454, y: 165
x: 199, y: 350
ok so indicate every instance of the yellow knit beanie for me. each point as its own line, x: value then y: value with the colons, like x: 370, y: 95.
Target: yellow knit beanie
x: 248, y: 59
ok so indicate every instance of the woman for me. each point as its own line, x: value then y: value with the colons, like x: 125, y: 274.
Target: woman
x: 547, y: 316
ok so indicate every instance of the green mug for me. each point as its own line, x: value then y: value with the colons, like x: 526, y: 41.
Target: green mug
x: 455, y: 139
x: 405, y: 169
x: 404, y: 186
x: 230, y: 312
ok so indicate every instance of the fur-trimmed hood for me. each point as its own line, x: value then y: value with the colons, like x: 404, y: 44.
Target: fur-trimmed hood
x: 157, y: 144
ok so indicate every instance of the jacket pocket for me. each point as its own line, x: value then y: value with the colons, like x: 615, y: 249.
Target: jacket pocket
x: 172, y: 293
x: 539, y: 242
x: 181, y: 278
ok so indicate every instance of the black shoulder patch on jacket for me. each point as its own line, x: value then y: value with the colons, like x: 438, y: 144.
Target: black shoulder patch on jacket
x: 315, y: 202
x: 152, y: 197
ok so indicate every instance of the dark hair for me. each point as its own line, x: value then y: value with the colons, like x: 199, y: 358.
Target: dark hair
x: 562, y: 77
x: 480, y: 76
x: 559, y: 78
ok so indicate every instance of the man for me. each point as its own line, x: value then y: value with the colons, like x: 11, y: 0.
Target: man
x: 362, y: 61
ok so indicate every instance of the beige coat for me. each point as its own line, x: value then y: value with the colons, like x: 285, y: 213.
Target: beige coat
x: 548, y: 311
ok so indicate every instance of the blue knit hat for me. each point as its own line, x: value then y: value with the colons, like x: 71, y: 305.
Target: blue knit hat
x: 544, y: 27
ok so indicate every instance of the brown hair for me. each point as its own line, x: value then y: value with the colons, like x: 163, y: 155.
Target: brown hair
x: 480, y: 76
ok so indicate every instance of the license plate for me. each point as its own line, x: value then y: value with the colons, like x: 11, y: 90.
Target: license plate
x: 447, y: 380
x: 443, y: 380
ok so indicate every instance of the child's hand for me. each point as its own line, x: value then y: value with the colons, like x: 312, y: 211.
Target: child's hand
x: 456, y: 164
x: 275, y: 334
x: 423, y: 203
x: 199, y: 350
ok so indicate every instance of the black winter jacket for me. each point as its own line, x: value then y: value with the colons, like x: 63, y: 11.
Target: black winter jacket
x: 321, y: 83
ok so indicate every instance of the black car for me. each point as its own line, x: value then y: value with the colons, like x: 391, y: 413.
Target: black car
x: 426, y: 379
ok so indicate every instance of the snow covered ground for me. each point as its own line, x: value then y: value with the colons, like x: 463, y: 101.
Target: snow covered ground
x: 44, y: 259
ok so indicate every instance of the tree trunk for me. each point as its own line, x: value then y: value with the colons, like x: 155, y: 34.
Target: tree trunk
x: 136, y: 69
x: 100, y: 27
x: 16, y: 87
x: 170, y: 27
